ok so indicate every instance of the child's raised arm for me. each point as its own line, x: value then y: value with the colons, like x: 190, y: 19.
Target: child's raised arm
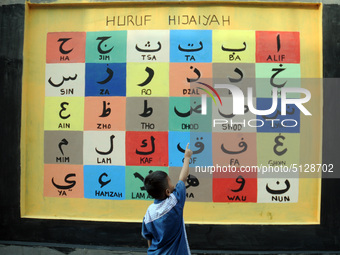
x: 185, y: 169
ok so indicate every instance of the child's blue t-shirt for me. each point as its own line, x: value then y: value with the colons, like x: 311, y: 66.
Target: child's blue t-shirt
x: 163, y: 224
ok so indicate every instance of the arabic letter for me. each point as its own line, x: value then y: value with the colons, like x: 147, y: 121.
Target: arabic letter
x: 238, y: 71
x: 64, y: 40
x: 197, y: 72
x: 235, y: 50
x: 241, y: 144
x: 101, y: 182
x: 278, y: 70
x: 99, y: 48
x: 138, y: 175
x: 191, y: 45
x: 182, y: 115
x: 106, y: 111
x: 192, y: 181
x: 149, y: 50
x: 180, y: 148
x: 278, y: 143
x: 199, y: 145
x: 278, y: 112
x: 109, y: 77
x: 62, y: 105
x: 147, y: 110
x: 278, y: 42
x: 63, y: 142
x: 280, y: 191
x: 242, y: 182
x: 72, y: 183
x: 151, y: 73
x: 145, y: 144
x: 64, y: 79
x: 197, y: 109
x: 111, y: 147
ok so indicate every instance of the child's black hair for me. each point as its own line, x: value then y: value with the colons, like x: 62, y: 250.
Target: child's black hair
x: 156, y: 183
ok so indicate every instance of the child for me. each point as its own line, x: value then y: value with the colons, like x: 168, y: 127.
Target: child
x: 163, y: 224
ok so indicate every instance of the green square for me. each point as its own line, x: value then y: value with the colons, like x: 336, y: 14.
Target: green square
x: 269, y: 76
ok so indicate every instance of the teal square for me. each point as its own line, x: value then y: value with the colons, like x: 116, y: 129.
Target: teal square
x: 185, y: 114
x: 106, y: 47
x: 134, y: 178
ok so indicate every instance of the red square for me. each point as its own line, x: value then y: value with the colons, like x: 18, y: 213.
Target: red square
x: 146, y: 148
x: 277, y: 47
x: 235, y: 190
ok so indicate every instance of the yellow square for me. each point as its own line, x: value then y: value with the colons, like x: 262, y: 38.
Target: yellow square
x: 147, y: 79
x: 233, y: 46
x: 64, y: 113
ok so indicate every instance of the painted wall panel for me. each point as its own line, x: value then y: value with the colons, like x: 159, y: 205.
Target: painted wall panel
x: 96, y: 74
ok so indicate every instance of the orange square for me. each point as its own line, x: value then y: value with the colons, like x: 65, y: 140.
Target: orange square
x: 105, y: 113
x: 184, y: 78
x: 65, y: 47
x: 64, y: 181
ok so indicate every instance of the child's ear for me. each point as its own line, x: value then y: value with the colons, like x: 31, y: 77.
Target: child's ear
x: 167, y: 193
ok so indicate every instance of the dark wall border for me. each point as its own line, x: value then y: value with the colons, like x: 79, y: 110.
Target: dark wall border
x: 323, y: 237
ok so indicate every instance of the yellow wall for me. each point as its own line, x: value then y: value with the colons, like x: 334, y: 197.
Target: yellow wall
x: 42, y: 19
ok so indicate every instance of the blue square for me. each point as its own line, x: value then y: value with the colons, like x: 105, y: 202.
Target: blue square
x: 200, y: 143
x: 105, y: 79
x: 191, y: 46
x: 104, y: 182
x: 276, y: 122
x: 177, y: 144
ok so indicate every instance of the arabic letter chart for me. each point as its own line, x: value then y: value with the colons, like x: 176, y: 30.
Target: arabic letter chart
x: 122, y: 104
